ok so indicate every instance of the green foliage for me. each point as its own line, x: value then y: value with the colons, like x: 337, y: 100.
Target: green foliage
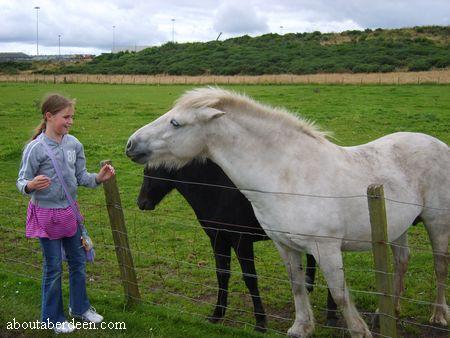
x: 419, y: 48
x: 13, y: 67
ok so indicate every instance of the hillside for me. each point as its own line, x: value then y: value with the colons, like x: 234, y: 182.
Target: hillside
x: 407, y: 49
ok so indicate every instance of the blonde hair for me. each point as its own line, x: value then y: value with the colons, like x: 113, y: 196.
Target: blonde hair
x: 52, y: 103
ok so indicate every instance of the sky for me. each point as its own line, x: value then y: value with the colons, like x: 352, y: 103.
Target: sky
x: 94, y: 27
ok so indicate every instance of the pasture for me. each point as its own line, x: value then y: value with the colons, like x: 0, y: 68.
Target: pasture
x: 171, y: 253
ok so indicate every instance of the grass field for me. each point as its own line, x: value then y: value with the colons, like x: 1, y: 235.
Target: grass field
x: 173, y: 258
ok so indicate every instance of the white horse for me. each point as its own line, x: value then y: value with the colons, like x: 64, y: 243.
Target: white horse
x: 285, y: 166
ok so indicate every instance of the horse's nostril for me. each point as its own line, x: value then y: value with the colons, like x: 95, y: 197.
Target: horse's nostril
x: 129, y: 145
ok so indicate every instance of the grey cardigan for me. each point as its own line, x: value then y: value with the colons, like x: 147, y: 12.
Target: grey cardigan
x: 70, y: 156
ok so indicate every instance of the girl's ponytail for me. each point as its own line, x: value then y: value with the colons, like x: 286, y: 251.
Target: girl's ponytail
x: 39, y: 129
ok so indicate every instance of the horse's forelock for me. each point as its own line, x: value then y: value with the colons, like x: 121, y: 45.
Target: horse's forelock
x: 200, y: 98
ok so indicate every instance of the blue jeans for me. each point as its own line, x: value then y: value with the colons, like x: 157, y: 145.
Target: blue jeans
x: 52, y: 304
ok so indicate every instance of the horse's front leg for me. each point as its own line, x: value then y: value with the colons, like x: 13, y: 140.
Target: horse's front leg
x: 304, y: 319
x: 329, y: 257
x: 400, y: 252
x: 439, y: 232
x: 222, y: 255
x: 332, y: 317
x: 245, y: 255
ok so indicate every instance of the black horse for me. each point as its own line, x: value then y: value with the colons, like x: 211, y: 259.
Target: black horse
x: 228, y: 219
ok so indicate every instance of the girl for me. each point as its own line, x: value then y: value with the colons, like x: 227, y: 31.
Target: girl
x: 50, y: 216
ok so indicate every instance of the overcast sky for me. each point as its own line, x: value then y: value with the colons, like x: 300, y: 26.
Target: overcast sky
x: 87, y: 26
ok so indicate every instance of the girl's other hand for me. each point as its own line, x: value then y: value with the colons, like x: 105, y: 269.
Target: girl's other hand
x: 105, y: 173
x: 38, y: 183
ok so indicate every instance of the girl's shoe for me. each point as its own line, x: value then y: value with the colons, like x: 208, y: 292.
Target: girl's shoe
x: 64, y: 327
x: 90, y: 316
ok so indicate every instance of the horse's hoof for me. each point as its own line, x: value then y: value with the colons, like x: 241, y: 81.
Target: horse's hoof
x: 374, y: 320
x: 438, y: 320
x: 361, y: 332
x: 261, y: 323
x: 332, y: 322
x: 214, y: 320
x: 300, y: 331
x: 367, y: 334
x: 295, y: 335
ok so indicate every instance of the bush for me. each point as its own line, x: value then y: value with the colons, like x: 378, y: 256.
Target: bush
x: 300, y: 53
x: 12, y: 67
x: 441, y: 61
x: 419, y: 65
x: 387, y: 68
x: 366, y: 68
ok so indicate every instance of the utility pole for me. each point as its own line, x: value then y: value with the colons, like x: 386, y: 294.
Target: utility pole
x: 113, y: 42
x: 37, y: 29
x: 173, y: 30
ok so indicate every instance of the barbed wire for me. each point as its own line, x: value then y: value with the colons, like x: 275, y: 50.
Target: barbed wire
x: 241, y: 322
x: 261, y: 277
x: 278, y: 280
x: 347, y: 269
x: 225, y: 319
x: 365, y: 196
x: 194, y: 220
x: 215, y: 269
x: 244, y: 311
x: 179, y: 263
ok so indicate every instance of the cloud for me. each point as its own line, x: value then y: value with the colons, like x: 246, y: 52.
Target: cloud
x: 87, y: 25
x: 239, y: 18
x: 368, y: 13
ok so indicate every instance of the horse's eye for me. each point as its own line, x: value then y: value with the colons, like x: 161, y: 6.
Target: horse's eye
x: 175, y: 123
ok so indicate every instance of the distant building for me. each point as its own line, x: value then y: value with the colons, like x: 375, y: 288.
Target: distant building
x: 17, y: 57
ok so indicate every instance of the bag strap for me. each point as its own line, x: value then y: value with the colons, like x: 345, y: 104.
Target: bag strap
x: 63, y: 183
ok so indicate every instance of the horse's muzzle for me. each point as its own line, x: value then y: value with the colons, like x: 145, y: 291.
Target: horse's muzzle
x: 135, y: 154
x: 145, y: 205
x: 129, y: 149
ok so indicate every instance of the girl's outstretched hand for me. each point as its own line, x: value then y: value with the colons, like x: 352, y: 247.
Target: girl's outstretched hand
x: 105, y: 173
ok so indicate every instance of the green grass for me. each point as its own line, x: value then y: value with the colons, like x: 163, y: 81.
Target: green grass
x: 175, y: 267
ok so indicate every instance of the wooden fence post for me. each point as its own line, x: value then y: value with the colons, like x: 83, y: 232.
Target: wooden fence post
x: 119, y: 232
x: 378, y: 222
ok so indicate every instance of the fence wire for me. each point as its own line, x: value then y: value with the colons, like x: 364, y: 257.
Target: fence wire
x: 174, y: 261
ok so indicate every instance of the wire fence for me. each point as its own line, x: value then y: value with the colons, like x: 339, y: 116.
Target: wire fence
x: 176, y: 269
x: 394, y: 78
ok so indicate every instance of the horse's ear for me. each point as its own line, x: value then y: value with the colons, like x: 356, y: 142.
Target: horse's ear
x: 209, y: 113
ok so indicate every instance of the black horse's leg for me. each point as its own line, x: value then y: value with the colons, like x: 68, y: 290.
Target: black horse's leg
x: 332, y: 317
x: 310, y: 272
x: 245, y: 255
x: 222, y: 255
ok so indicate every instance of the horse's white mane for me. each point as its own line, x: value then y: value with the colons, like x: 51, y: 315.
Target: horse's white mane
x: 222, y: 99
